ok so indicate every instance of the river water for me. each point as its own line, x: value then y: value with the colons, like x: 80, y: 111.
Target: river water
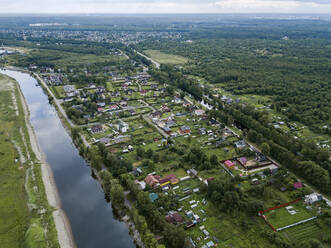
x: 82, y: 198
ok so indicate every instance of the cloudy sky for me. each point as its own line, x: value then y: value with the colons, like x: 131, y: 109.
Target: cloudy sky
x: 165, y: 6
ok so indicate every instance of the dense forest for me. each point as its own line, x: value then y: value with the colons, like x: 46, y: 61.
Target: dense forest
x: 294, y: 74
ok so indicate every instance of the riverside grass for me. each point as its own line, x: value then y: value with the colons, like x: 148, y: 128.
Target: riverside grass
x: 26, y: 216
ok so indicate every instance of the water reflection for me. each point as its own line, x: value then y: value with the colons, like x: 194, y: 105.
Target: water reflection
x: 91, y: 217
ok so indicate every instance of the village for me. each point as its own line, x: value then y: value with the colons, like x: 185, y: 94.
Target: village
x: 154, y: 127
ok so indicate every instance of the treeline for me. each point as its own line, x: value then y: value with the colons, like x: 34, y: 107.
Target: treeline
x: 169, y: 75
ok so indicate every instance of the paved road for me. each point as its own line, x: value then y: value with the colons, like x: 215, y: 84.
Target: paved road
x: 157, y: 65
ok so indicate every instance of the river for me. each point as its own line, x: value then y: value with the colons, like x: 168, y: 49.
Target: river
x: 82, y: 198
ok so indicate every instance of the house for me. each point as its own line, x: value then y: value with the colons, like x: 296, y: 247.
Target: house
x: 202, y: 131
x: 174, y: 217
x: 123, y: 103
x: 189, y: 224
x: 186, y: 104
x: 214, y: 122
x: 101, y: 104
x: 298, y: 185
x: 192, y: 172
x: 143, y: 92
x: 185, y: 130
x: 240, y: 144
x: 96, y: 129
x: 137, y: 172
x: 167, y: 130
x: 229, y: 164
x: 153, y: 197
x: 255, y: 181
x: 199, y: 112
x: 165, y: 108
x: 123, y: 126
x: 141, y: 184
x: 156, y: 114
x: 152, y: 180
x: 170, y: 179
x: 243, y: 160
x: 312, y: 198
x: 210, y: 244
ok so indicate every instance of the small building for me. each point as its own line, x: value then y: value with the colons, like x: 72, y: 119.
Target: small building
x: 151, y: 180
x: 153, y: 197
x: 192, y: 172
x: 312, y: 198
x: 96, y: 129
x: 255, y: 181
x: 210, y: 244
x: 175, y: 218
x: 298, y: 185
x: 141, y: 184
x: 229, y: 164
x: 123, y: 126
x: 199, y: 112
x: 240, y: 144
x: 185, y: 130
x: 243, y: 160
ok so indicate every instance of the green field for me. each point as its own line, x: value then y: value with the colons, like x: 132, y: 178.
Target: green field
x: 281, y: 217
x: 164, y: 58
x: 62, y: 58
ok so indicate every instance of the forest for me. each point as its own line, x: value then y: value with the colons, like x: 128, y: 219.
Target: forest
x: 293, y: 73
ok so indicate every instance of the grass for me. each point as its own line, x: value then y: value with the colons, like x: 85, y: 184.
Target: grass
x: 303, y: 232
x: 281, y: 217
x: 21, y: 194
x: 62, y: 58
x: 58, y: 91
x: 164, y: 58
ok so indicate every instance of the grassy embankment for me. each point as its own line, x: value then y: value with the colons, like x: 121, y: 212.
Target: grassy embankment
x: 26, y: 217
x: 164, y: 58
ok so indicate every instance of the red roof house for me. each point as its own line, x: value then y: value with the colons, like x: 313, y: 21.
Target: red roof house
x: 229, y: 163
x: 298, y: 185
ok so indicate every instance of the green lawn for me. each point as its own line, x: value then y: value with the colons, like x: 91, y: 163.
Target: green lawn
x: 164, y: 58
x: 281, y: 217
x: 58, y: 91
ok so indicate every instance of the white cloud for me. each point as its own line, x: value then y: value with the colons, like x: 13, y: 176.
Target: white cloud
x: 279, y: 6
x: 165, y: 6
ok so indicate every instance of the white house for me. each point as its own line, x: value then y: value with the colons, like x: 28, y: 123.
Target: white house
x: 123, y: 126
x: 312, y: 198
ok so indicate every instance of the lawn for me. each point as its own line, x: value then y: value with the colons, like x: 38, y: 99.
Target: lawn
x: 58, y: 91
x: 164, y: 58
x: 281, y: 217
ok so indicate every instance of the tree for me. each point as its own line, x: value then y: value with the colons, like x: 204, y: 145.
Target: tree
x: 174, y: 236
x: 252, y: 135
x: 140, y: 152
x: 214, y: 159
x: 265, y: 148
x: 117, y: 194
x: 149, y: 153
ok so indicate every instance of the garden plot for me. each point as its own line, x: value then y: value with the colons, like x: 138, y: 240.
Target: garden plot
x: 288, y: 215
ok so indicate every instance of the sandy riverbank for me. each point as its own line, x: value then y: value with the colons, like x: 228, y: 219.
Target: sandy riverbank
x: 65, y: 236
